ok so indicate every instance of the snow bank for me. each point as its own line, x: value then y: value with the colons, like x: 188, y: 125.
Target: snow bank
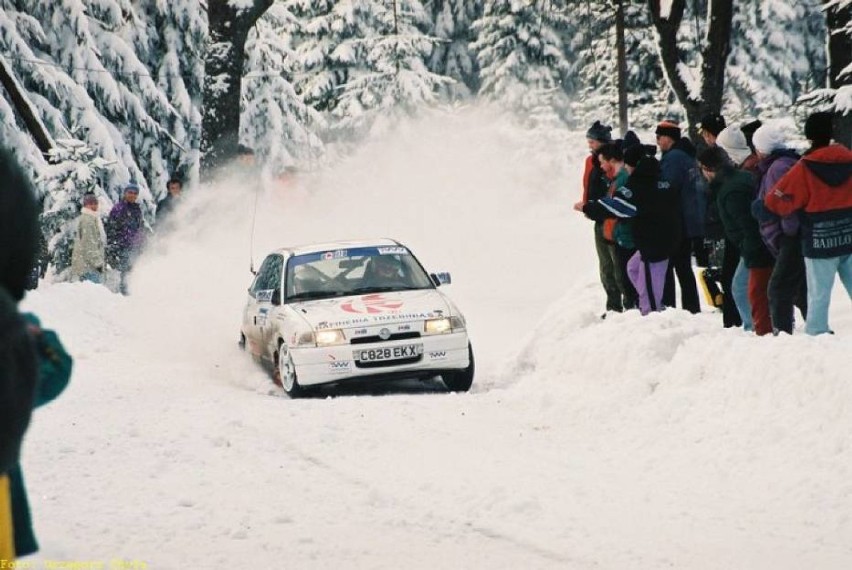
x: 629, y: 442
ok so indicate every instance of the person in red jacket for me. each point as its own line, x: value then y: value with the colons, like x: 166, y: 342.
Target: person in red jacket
x: 819, y: 187
x: 595, y: 187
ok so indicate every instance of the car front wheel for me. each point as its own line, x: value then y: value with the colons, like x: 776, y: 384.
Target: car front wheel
x: 460, y: 380
x: 284, y: 373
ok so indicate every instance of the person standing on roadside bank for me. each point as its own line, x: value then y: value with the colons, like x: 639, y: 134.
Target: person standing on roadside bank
x: 125, y: 233
x: 596, y: 186
x: 679, y: 169
x: 819, y: 189
x: 174, y: 194
x: 88, y: 255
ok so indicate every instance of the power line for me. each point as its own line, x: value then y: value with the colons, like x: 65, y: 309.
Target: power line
x: 131, y: 74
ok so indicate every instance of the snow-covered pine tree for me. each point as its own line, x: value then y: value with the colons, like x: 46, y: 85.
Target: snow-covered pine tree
x: 327, y: 48
x: 77, y: 62
x: 452, y: 56
x: 171, y: 45
x: 777, y: 54
x: 74, y: 169
x: 79, y: 69
x: 522, y: 57
x: 396, y: 80
x: 275, y: 121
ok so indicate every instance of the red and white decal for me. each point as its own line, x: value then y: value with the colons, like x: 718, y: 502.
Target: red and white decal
x: 371, y: 305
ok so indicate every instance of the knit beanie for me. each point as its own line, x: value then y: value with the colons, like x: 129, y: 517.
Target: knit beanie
x: 599, y: 132
x: 768, y: 138
x: 632, y: 154
x: 629, y: 140
x: 818, y: 127
x: 733, y: 141
x: 668, y: 129
x: 712, y: 123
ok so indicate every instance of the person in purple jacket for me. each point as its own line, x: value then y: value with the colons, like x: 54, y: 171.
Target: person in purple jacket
x: 125, y: 233
x: 787, y: 284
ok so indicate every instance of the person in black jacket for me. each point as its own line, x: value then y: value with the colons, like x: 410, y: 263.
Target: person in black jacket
x: 656, y: 227
x: 174, y: 190
x: 733, y: 191
x: 18, y: 364
x: 18, y: 359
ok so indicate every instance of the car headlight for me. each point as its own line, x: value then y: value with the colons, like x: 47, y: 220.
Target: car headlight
x: 304, y: 339
x: 438, y: 326
x: 329, y: 337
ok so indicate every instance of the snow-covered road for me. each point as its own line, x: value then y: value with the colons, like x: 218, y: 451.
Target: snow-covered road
x: 663, y: 442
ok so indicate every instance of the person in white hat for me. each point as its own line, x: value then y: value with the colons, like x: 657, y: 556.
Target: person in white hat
x: 787, y: 285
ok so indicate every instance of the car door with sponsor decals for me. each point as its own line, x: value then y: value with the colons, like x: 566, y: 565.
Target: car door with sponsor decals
x: 261, y: 297
x: 270, y: 305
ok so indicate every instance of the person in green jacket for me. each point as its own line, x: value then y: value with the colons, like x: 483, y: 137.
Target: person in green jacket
x: 733, y: 191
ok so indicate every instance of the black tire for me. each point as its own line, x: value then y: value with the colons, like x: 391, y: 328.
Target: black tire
x: 290, y: 384
x: 460, y: 380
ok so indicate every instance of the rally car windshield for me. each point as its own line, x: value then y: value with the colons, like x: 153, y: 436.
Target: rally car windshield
x: 358, y: 271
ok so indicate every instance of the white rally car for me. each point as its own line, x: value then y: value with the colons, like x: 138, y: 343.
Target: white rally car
x: 335, y: 312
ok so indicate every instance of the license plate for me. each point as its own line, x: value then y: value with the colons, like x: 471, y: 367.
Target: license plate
x: 392, y: 353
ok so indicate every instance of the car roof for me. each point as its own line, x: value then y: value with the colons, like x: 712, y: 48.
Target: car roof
x: 335, y: 245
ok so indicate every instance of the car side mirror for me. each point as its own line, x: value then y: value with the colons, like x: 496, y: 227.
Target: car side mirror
x: 276, y: 297
x: 442, y: 278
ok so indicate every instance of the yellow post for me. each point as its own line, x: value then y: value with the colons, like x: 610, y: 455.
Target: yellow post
x: 7, y: 539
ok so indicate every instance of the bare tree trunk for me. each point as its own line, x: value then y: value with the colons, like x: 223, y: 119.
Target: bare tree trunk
x: 839, y: 57
x: 223, y: 69
x: 622, y: 66
x: 22, y: 105
x: 714, y: 57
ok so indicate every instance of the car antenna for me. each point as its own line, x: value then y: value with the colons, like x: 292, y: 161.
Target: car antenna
x: 253, y: 220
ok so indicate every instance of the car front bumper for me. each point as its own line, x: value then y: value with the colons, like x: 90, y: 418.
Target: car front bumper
x: 333, y: 364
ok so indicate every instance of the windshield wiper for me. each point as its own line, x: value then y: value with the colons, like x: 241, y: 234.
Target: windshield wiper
x: 381, y: 289
x: 311, y: 295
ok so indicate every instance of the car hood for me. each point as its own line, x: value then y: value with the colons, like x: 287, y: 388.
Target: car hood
x: 374, y: 309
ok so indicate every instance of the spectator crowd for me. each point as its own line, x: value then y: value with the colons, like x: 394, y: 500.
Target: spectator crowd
x: 768, y: 228
x: 115, y: 243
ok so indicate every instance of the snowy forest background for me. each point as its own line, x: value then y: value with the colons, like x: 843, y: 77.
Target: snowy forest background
x: 98, y: 92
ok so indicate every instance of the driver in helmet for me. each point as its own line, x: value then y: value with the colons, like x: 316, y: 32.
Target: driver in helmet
x: 384, y: 271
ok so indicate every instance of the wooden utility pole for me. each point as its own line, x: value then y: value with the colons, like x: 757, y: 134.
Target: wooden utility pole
x: 622, y: 66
